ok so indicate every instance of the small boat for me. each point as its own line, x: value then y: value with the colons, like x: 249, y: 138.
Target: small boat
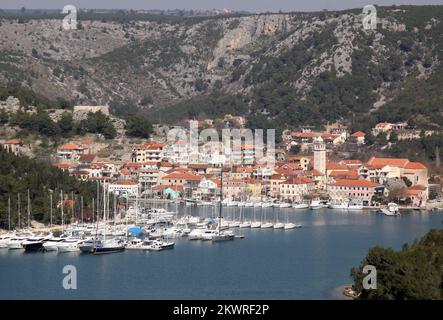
x: 196, y: 234
x: 108, y: 246
x: 315, y: 205
x: 284, y: 205
x: 267, y: 205
x: 249, y: 204
x: 51, y: 244
x: 393, y: 207
x: 255, y: 224
x: 225, y: 235
x: 232, y: 204
x: 257, y: 205
x: 355, y: 205
x: 4, y: 240
x: 137, y: 244
x: 69, y: 245
x: 86, y: 246
x: 267, y: 225
x: 208, y: 234
x: 234, y: 224
x: 338, y: 205
x: 245, y: 224
x: 279, y: 225
x: 291, y: 225
x: 300, y: 205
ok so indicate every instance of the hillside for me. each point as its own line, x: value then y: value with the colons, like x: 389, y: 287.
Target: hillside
x: 279, y: 70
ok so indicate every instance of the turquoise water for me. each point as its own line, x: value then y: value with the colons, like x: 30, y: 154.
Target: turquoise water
x: 306, y: 263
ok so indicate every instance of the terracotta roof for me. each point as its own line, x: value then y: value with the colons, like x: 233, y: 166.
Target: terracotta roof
x: 182, y: 176
x: 418, y: 187
x: 381, y: 162
x: 330, y: 165
x: 351, y: 162
x: 125, y: 182
x: 13, y: 141
x: 355, y: 183
x: 63, y: 165
x: 304, y: 134
x: 298, y: 180
x: 86, y: 157
x: 346, y: 174
x: 415, y: 165
x: 358, y: 134
x: 70, y: 146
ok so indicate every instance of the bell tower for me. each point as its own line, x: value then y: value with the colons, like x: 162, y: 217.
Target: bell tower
x: 320, y: 155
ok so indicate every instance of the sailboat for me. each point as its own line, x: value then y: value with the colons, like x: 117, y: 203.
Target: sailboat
x: 221, y: 235
x: 266, y: 225
x: 107, y: 245
x: 289, y: 225
x: 278, y: 225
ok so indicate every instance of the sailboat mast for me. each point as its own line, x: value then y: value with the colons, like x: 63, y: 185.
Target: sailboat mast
x: 50, y: 208
x: 18, y: 209
x: 63, y: 214
x: 81, y: 199
x: 221, y: 198
x: 29, y: 210
x: 104, y: 209
x: 9, y: 214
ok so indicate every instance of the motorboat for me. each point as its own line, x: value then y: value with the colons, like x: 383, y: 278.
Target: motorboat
x: 208, y: 234
x: 232, y: 204
x: 108, y: 246
x: 249, y: 204
x: 69, y: 245
x: 338, y: 205
x: 355, y: 205
x: 15, y: 243
x: 257, y: 205
x: 35, y: 243
x: 196, y: 234
x: 4, y: 240
x: 393, y: 207
x: 300, y: 205
x: 137, y: 244
x: 267, y: 204
x: 284, y: 205
x: 224, y: 235
x: 315, y: 205
x: 87, y: 245
x: 51, y: 244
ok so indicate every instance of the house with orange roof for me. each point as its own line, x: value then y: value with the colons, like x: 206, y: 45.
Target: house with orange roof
x: 357, y: 190
x: 208, y: 190
x: 303, y: 162
x: 14, y: 146
x: 295, y: 188
x: 189, y: 181
x: 70, y: 151
x: 381, y: 169
x: 418, y: 194
x: 358, y: 138
x: 148, y: 151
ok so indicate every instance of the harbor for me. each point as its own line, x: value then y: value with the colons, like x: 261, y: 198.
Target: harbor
x: 307, y: 262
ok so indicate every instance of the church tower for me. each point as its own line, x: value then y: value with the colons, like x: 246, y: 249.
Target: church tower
x: 320, y: 155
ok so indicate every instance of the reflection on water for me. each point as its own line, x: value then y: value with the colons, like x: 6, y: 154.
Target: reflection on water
x: 306, y: 263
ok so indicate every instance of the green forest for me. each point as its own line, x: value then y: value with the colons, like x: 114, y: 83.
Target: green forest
x: 414, y: 272
x: 18, y: 174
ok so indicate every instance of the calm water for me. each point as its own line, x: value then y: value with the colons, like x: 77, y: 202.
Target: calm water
x: 306, y: 263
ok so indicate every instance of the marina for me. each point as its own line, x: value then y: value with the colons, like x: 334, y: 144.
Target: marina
x: 282, y: 262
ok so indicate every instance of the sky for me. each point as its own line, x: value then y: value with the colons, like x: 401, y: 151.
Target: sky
x: 237, y: 5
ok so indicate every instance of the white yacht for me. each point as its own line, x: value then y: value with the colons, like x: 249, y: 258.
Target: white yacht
x: 315, y: 205
x: 196, y: 234
x: 285, y: 205
x: 339, y: 205
x: 137, y: 244
x: 208, y: 234
x: 393, y: 207
x: 15, y: 243
x: 279, y: 225
x: 300, y: 205
x: 69, y: 245
x: 4, y: 240
x: 257, y: 205
x: 249, y: 204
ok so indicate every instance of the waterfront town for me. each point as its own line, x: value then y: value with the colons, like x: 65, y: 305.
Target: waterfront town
x: 159, y: 168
